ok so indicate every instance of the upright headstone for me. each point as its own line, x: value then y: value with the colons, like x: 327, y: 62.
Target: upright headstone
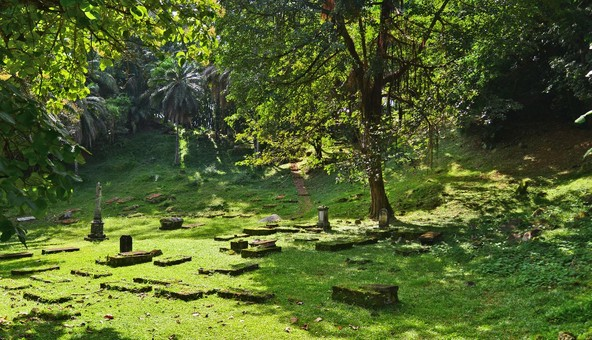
x: 96, y: 226
x: 324, y: 218
x: 125, y: 243
x: 383, y: 218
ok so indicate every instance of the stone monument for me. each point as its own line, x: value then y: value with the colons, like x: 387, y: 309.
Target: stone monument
x: 323, y: 215
x: 96, y: 226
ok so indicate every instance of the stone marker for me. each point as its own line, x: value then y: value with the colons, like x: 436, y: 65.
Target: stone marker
x: 259, y: 251
x: 49, y: 279
x: 26, y: 271
x: 259, y: 231
x: 25, y: 218
x: 10, y: 256
x: 46, y: 297
x: 371, y: 295
x: 430, y: 238
x: 10, y: 284
x: 334, y: 245
x: 263, y: 243
x: 171, y: 261
x: 125, y: 244
x: 379, y: 233
x: 123, y: 286
x: 59, y: 250
x: 229, y: 237
x: 128, y: 259
x: 163, y: 282
x: 239, y: 245
x: 93, y: 273
x: 383, y: 218
x: 184, y: 293
x: 171, y: 223
x: 323, y: 215
x: 234, y: 270
x: 96, y: 226
x: 245, y: 295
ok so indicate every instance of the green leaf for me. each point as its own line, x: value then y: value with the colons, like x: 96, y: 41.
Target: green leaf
x: 581, y: 119
x: 7, y: 118
x: 588, y: 153
x: 105, y: 63
x: 90, y: 15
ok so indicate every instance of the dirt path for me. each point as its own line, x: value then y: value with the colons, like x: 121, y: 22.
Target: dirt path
x: 304, y: 201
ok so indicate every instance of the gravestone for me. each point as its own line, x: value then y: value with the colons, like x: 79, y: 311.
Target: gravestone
x: 370, y: 295
x: 10, y: 256
x: 96, y: 226
x: 323, y: 215
x: 234, y: 270
x: 383, y: 218
x: 171, y: 223
x: 123, y: 286
x: 171, y: 261
x: 59, y: 250
x: 430, y: 238
x: 245, y: 295
x: 239, y: 245
x: 125, y: 243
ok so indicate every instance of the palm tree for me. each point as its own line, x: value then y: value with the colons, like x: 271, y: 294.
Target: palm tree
x: 178, y: 91
x: 218, y: 81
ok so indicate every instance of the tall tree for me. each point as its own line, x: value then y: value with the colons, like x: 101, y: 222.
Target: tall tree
x: 373, y: 54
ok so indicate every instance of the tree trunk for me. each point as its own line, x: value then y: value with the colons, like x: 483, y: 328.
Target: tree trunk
x: 379, y: 199
x: 177, y: 147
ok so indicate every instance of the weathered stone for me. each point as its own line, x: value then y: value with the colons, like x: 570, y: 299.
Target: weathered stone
x: 163, y: 282
x: 93, y: 273
x: 50, y: 279
x: 305, y: 239
x: 263, y: 243
x: 372, y: 295
x: 234, y: 270
x: 10, y: 284
x: 287, y: 230
x: 26, y: 271
x: 357, y: 261
x: 412, y: 249
x: 46, y: 297
x: 245, y: 295
x: 365, y: 241
x: 59, y: 250
x: 430, y: 238
x: 259, y: 252
x: 407, y: 234
x: 239, y: 245
x: 185, y: 293
x: 10, y: 256
x: 126, y: 287
x: 259, y: 231
x: 128, y: 259
x: 171, y: 223
x: 323, y: 218
x: 171, y: 261
x: 334, y: 245
x: 229, y: 237
x: 125, y: 243
x: 383, y: 218
x: 379, y: 233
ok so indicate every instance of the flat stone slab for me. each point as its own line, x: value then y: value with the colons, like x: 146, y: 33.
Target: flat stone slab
x: 184, y: 293
x: 334, y: 245
x: 59, y: 250
x: 259, y: 231
x: 305, y: 239
x: 259, y: 252
x: 46, y: 297
x: 229, y: 237
x: 407, y: 234
x: 27, y: 271
x: 430, y: 238
x: 10, y: 284
x: 50, y: 279
x: 288, y: 230
x: 370, y: 295
x: 123, y: 286
x: 49, y: 314
x: 408, y: 250
x: 162, y: 282
x: 263, y: 243
x: 171, y: 261
x: 365, y: 241
x: 93, y: 273
x: 245, y: 295
x: 234, y: 270
x: 379, y: 233
x: 10, y: 256
x: 128, y: 259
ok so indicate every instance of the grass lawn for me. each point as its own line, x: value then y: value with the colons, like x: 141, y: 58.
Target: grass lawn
x: 488, y: 278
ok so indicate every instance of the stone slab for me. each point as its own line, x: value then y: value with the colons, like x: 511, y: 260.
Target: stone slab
x: 184, y: 293
x: 229, y: 237
x: 379, y: 233
x: 259, y: 231
x: 334, y: 245
x: 365, y: 241
x: 239, y: 245
x: 371, y: 295
x: 171, y: 261
x: 234, y: 270
x: 430, y: 238
x: 10, y: 284
x: 128, y: 260
x: 288, y: 230
x: 411, y: 250
x: 245, y: 295
x: 122, y: 286
x: 20, y: 255
x: 50, y: 279
x: 162, y: 282
x: 59, y: 250
x: 263, y: 243
x: 46, y: 297
x: 93, y: 273
x: 27, y: 271
x: 259, y: 252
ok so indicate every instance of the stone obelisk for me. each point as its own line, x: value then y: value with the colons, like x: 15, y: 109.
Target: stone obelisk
x: 96, y: 226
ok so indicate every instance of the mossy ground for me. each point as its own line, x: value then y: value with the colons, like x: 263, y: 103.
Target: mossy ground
x: 482, y: 281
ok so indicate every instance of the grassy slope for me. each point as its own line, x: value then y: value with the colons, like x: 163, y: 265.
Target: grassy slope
x: 476, y: 284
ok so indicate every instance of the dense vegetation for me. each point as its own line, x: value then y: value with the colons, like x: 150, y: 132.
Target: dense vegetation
x: 408, y: 106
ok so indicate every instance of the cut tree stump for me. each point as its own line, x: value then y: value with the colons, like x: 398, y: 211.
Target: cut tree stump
x: 370, y: 295
x: 59, y: 250
x: 430, y: 238
x: 27, y: 271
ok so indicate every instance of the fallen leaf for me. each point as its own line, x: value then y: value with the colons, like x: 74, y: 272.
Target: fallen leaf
x: 339, y: 327
x: 196, y: 314
x: 355, y: 328
x: 293, y: 319
x: 108, y: 316
x: 287, y: 329
x: 300, y: 303
x: 319, y: 319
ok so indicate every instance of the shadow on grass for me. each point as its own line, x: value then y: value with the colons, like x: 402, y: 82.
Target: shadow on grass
x: 40, y: 329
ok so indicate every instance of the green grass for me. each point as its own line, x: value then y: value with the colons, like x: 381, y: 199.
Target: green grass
x: 477, y: 283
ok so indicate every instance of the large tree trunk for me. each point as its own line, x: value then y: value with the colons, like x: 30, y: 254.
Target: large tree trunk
x: 177, y: 147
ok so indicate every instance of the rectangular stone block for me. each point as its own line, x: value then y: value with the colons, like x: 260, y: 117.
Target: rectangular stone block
x: 234, y: 270
x: 171, y: 261
x: 163, y: 282
x: 128, y: 260
x: 259, y: 231
x: 334, y: 245
x: 59, y: 250
x: 430, y: 238
x: 245, y: 295
x: 93, y: 273
x: 46, y: 297
x: 239, y: 245
x: 10, y: 256
x: 126, y: 287
x: 259, y: 252
x: 229, y: 237
x: 27, y: 271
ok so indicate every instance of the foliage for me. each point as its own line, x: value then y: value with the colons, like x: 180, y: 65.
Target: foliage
x: 34, y: 152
